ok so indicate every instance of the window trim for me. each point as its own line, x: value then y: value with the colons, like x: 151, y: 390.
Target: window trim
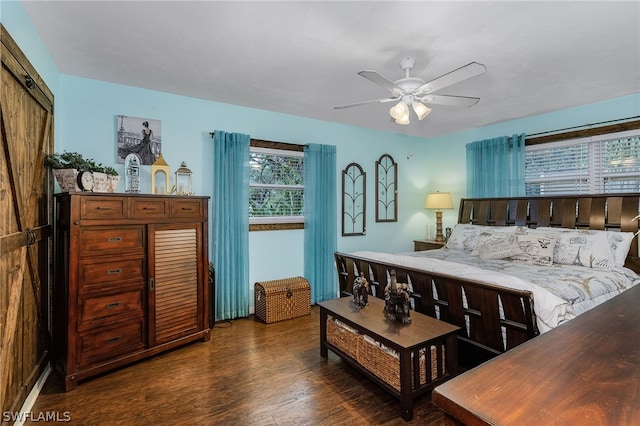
x: 595, y: 177
x: 582, y: 133
x: 280, y: 223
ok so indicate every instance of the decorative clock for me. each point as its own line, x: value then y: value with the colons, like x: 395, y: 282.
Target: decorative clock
x: 86, y: 181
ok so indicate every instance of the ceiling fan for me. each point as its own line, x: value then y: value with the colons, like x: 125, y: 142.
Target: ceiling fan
x: 416, y: 92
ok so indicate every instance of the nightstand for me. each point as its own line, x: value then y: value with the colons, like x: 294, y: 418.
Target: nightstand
x: 420, y: 245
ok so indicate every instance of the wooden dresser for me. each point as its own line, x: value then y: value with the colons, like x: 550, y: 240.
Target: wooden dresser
x: 130, y: 279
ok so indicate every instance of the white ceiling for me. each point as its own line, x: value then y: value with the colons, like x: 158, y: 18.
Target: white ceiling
x: 302, y: 57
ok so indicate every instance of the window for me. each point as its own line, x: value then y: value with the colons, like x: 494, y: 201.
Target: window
x: 276, y: 188
x: 596, y: 165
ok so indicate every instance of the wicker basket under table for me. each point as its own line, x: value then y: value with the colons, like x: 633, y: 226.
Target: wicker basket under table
x: 282, y: 299
x: 375, y: 358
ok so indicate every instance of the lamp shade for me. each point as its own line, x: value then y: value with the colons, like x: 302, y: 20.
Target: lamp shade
x: 421, y: 109
x: 404, y: 119
x: 399, y: 110
x: 438, y: 200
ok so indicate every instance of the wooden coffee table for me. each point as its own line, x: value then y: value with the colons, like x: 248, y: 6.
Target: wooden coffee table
x: 410, y: 341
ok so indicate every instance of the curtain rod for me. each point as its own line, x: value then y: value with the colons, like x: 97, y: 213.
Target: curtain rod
x: 618, y: 120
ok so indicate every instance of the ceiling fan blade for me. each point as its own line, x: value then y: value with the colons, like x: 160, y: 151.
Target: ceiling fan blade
x: 450, y: 100
x: 365, y: 102
x: 381, y: 81
x: 463, y: 73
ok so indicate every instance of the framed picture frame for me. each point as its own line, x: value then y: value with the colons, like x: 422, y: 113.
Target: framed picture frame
x: 141, y: 136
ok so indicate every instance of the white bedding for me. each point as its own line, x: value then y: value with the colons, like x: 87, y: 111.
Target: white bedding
x: 560, y: 292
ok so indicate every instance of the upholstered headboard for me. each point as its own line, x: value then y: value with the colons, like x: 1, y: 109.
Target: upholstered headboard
x: 615, y: 212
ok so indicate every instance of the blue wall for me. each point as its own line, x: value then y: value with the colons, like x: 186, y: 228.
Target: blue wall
x: 85, y: 121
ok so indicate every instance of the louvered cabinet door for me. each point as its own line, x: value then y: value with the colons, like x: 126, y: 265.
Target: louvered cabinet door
x: 175, y: 268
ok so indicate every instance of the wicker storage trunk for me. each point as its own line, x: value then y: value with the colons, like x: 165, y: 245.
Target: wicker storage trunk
x: 283, y: 299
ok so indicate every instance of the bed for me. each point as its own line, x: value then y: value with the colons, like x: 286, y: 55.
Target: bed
x: 514, y: 267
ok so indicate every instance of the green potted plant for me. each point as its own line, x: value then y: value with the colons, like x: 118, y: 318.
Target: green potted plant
x: 68, y: 165
x: 65, y: 172
x: 54, y: 161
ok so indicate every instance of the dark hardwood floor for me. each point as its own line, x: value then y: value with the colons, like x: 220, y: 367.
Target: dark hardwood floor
x: 248, y: 374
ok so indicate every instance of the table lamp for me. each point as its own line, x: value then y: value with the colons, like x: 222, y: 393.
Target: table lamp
x: 438, y: 201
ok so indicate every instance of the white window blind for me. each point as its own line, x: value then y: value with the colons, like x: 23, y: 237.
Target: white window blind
x: 604, y: 164
x: 276, y: 186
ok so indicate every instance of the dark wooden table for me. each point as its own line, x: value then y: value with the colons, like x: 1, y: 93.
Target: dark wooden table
x: 586, y: 371
x: 406, y: 339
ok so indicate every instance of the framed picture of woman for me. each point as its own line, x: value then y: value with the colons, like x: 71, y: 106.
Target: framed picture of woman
x: 141, y: 136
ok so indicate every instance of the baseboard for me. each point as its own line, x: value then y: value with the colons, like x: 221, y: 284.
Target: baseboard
x: 33, y: 396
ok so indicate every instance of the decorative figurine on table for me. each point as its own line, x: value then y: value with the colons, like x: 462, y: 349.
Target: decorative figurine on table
x: 397, y: 300
x: 360, y: 291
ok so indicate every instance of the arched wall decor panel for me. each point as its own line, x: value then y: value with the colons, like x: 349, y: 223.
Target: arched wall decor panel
x: 386, y: 189
x: 354, y: 210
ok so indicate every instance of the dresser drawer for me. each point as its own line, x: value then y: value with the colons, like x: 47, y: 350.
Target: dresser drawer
x: 94, y: 272
x: 106, y: 344
x: 97, y: 240
x: 185, y: 207
x: 143, y: 208
x: 103, y: 208
x: 126, y: 304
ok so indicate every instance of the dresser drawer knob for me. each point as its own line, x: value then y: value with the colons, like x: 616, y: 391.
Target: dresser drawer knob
x: 113, y: 305
x: 148, y: 208
x: 114, y: 339
x: 103, y: 208
x: 114, y: 271
x: 187, y: 208
x: 114, y: 239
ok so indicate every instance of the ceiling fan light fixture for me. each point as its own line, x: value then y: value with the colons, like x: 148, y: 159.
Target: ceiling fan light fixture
x: 415, y: 92
x: 420, y: 109
x: 404, y: 119
x: 399, y: 110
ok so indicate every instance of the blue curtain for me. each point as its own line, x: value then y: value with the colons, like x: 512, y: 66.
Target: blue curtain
x: 495, y: 167
x: 320, y: 216
x: 230, y: 216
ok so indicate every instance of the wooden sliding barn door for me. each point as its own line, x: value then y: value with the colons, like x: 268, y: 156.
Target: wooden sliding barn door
x: 26, y: 132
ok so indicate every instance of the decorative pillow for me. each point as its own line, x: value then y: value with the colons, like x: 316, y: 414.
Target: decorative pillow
x: 497, y: 245
x: 584, y: 248
x: 464, y: 236
x: 537, y: 248
x: 620, y: 243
